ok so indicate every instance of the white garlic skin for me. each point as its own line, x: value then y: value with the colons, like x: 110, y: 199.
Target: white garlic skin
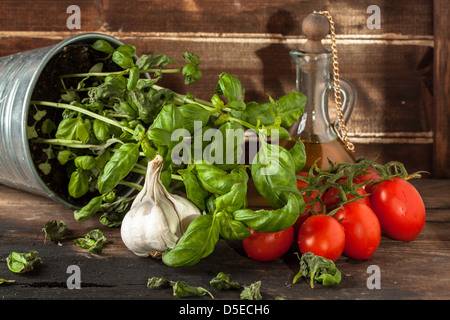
x: 157, y: 219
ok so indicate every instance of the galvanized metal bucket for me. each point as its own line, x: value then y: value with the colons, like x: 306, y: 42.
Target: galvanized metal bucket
x: 19, y: 74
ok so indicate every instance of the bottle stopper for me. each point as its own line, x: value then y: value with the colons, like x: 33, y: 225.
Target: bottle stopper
x: 315, y: 27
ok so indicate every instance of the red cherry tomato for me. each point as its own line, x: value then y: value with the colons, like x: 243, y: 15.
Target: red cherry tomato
x: 399, y: 208
x: 322, y: 235
x: 370, y: 174
x: 332, y: 197
x: 268, y: 246
x: 362, y: 230
x: 308, y: 196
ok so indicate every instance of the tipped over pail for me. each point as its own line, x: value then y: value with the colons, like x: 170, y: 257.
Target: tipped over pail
x: 19, y: 74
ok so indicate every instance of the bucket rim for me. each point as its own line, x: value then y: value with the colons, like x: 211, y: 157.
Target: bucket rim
x: 53, y: 50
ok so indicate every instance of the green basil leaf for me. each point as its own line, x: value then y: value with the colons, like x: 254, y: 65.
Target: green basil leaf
x: 229, y: 145
x: 138, y: 101
x: 106, y: 91
x: 191, y: 58
x: 70, y: 95
x: 133, y: 78
x: 272, y: 220
x: 273, y: 172
x: 64, y: 156
x: 159, y: 136
x: 196, y: 243
x: 233, y: 200
x: 89, y: 209
x: 231, y: 88
x: 23, y: 262
x: 48, y: 126
x: 147, y: 149
x: 194, y: 190
x: 169, y: 118
x: 102, y: 130
x: 84, y: 130
x: 126, y: 108
x: 123, y: 56
x: 67, y: 128
x: 118, y: 81
x: 299, y: 155
x: 78, y: 183
x: 291, y: 107
x: 191, y: 73
x: 218, y: 181
x: 45, y: 167
x: 192, y: 113
x: 118, y: 167
x: 147, y: 61
x: 103, y: 46
x: 85, y: 162
x: 266, y: 113
x: 231, y: 229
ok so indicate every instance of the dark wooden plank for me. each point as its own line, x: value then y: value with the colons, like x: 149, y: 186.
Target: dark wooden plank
x: 386, y: 79
x: 277, y: 17
x: 406, y: 271
x: 415, y: 157
x: 441, y: 116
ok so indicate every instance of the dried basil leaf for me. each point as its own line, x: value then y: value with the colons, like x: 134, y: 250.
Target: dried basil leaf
x: 93, y: 241
x: 252, y: 292
x: 54, y: 230
x: 319, y: 269
x: 22, y: 262
x: 223, y: 282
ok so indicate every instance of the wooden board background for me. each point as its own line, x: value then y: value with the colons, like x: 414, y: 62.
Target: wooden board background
x: 400, y: 71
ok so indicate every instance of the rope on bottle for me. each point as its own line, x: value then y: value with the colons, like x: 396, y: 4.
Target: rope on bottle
x: 342, y: 129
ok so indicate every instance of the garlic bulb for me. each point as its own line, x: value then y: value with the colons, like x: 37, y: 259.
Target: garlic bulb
x: 156, y: 219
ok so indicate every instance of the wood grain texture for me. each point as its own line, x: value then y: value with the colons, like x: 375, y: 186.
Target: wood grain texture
x: 441, y: 115
x: 228, y: 16
x: 391, y: 67
x: 119, y: 274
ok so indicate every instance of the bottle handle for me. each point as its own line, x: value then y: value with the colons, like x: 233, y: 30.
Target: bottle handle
x: 349, y: 96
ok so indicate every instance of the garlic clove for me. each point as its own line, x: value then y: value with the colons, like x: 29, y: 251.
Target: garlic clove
x: 186, y: 210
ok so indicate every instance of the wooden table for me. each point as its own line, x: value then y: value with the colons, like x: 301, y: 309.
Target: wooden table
x: 414, y: 270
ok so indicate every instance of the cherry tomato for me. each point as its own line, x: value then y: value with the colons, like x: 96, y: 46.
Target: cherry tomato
x: 268, y: 246
x: 308, y: 196
x: 322, y: 235
x: 362, y: 230
x: 301, y: 183
x: 370, y: 174
x: 332, y: 197
x: 399, y: 208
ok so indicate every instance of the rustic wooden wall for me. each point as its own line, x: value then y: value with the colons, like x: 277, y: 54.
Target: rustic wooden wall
x: 403, y: 104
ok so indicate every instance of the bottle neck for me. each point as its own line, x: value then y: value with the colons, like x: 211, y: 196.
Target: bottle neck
x: 313, y: 80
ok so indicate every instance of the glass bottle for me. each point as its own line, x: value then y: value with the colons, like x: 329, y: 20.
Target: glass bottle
x: 314, y: 80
